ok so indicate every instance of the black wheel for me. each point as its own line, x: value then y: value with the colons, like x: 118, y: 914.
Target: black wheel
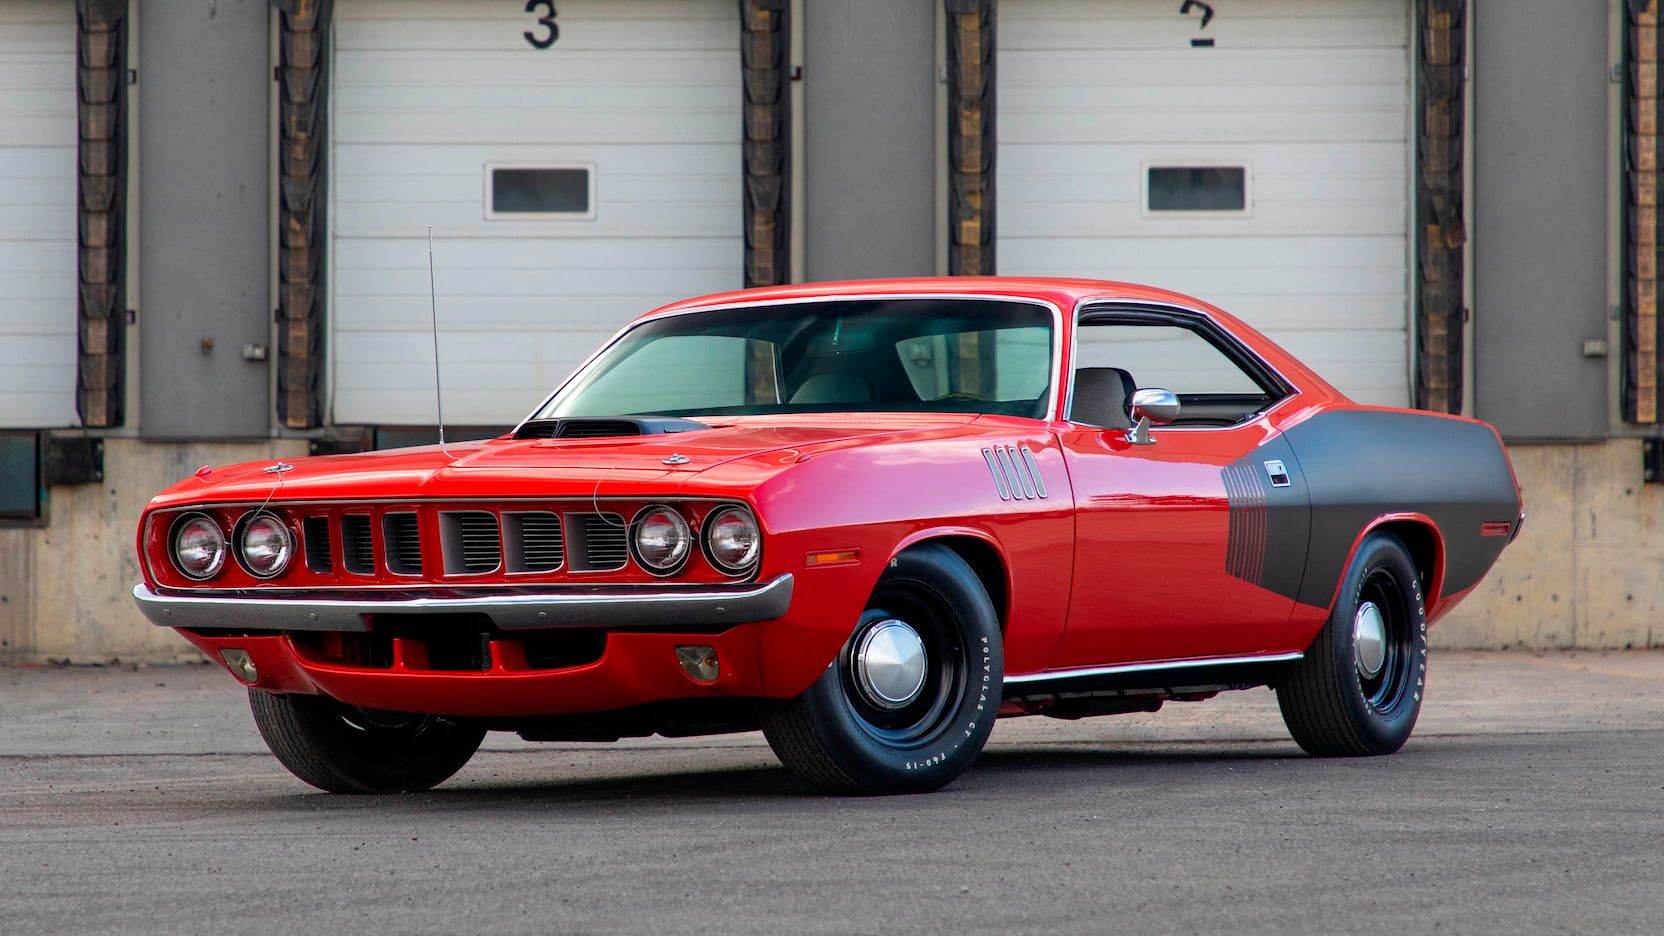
x: 911, y: 699
x: 1358, y: 690
x: 343, y: 749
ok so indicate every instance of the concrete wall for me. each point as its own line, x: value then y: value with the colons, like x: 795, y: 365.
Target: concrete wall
x: 1587, y: 569
x: 204, y: 221
x: 66, y: 591
x: 1539, y: 151
x: 870, y: 117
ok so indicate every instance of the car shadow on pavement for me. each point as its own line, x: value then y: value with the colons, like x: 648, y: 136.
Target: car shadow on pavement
x: 994, y: 771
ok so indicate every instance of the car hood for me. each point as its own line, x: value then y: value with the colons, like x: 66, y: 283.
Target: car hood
x: 542, y: 467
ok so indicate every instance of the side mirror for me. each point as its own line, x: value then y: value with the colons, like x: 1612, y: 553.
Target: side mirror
x: 1150, y: 406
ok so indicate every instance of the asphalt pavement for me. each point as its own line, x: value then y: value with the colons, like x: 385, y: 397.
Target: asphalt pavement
x: 1531, y: 799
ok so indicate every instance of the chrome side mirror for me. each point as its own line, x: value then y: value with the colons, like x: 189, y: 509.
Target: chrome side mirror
x: 1150, y: 406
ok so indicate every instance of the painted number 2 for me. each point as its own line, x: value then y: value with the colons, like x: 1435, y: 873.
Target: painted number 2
x: 547, y: 21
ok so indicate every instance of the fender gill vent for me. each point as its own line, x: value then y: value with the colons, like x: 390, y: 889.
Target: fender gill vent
x: 600, y: 542
x: 472, y: 543
x: 532, y: 542
x: 1016, y: 473
x: 357, y: 552
x: 315, y: 539
x: 403, y: 543
x: 1245, y: 495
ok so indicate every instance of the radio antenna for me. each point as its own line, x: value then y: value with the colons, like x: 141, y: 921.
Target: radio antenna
x: 433, y: 303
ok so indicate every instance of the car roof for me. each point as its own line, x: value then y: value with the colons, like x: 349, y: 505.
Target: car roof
x: 1060, y: 291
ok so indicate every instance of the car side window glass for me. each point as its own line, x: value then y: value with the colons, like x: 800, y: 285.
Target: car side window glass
x: 1170, y: 357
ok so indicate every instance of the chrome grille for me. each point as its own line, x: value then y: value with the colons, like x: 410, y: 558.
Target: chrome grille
x: 600, y: 542
x: 315, y: 540
x: 532, y: 542
x: 472, y: 542
x: 403, y: 539
x: 357, y: 551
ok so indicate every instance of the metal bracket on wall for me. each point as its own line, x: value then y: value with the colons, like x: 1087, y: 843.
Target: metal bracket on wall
x: 1652, y: 460
x: 72, y: 460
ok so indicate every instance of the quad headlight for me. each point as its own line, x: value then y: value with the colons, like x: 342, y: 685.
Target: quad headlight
x: 660, y: 539
x: 732, y: 540
x: 198, y: 547
x: 264, y: 544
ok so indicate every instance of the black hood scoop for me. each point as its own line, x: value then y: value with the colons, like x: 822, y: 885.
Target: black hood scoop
x: 604, y: 427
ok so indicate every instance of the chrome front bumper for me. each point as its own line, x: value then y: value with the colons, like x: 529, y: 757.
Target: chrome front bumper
x: 626, y: 607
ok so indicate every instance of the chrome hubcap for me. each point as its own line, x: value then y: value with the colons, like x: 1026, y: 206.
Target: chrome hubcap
x: 889, y: 664
x: 1369, y: 639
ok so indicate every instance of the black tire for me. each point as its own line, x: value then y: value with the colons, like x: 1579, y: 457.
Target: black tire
x: 838, y: 740
x: 1333, y: 704
x: 341, y: 749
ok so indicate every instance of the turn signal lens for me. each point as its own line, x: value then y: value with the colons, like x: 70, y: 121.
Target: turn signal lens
x: 662, y: 539
x: 198, y: 547
x: 700, y: 663
x: 266, y: 545
x: 733, y: 540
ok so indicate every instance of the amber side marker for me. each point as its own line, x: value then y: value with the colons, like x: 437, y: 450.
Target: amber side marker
x: 1496, y: 528
x: 833, y: 557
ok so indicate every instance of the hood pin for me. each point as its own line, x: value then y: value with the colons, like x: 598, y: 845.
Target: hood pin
x: 676, y: 459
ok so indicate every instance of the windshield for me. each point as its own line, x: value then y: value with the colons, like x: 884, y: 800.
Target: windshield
x: 901, y: 355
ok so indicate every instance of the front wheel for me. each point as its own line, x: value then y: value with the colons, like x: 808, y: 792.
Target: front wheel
x: 1358, y: 690
x: 342, y: 749
x: 911, y: 699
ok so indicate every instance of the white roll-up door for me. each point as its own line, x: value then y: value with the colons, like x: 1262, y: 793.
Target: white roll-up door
x: 1266, y: 173
x: 37, y: 213
x: 571, y: 185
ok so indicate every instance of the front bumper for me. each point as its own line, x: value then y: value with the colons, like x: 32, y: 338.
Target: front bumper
x: 616, y: 607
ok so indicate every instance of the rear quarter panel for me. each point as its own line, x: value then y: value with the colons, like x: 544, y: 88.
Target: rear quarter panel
x: 1362, y: 465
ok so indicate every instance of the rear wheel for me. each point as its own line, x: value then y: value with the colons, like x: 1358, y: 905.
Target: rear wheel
x: 343, y: 749
x: 1358, y: 690
x: 912, y: 697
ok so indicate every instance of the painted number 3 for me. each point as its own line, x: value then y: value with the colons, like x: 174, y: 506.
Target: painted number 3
x: 547, y: 21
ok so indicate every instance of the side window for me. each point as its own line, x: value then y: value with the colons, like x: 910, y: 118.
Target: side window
x: 1003, y: 364
x: 1214, y: 389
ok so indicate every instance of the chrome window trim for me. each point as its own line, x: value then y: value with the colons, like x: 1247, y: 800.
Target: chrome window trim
x: 1133, y: 305
x: 1090, y: 671
x: 1057, y: 335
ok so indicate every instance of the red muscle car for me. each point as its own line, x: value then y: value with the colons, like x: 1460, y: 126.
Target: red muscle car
x: 867, y: 518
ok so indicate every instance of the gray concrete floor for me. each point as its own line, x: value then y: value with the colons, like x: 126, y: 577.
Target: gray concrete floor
x: 1530, y: 800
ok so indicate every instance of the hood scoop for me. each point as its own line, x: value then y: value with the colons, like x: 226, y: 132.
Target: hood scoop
x: 604, y: 427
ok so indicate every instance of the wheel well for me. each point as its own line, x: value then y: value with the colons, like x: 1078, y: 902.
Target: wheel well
x: 985, y: 561
x: 1423, y: 544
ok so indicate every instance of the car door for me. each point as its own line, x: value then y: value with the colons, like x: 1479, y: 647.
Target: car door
x: 1185, y: 543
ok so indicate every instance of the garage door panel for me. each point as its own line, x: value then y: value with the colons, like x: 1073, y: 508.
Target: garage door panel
x: 1223, y: 125
x: 1125, y: 188
x: 428, y: 94
x: 1309, y: 97
x: 1204, y: 69
x: 1055, y: 219
x: 502, y: 33
x: 37, y: 214
x: 409, y: 256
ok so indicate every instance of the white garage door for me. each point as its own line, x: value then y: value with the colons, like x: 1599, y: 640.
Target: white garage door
x: 37, y: 213
x: 570, y: 188
x: 1266, y: 173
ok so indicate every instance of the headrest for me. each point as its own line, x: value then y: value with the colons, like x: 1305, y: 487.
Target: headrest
x: 833, y: 388
x: 1101, y: 397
